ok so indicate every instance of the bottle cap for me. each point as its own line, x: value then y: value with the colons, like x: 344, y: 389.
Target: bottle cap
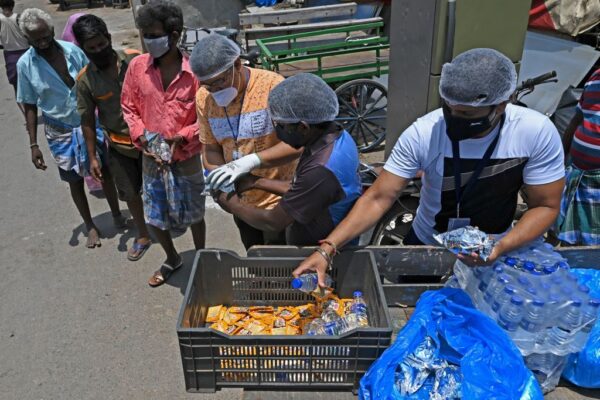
x: 528, y: 266
x: 562, y: 265
x: 549, y: 269
x: 523, y: 281
x: 584, y: 289
x: 538, y: 302
x: 498, y: 269
x: 545, y: 286
x: 576, y: 302
x: 503, y: 279
x: 510, y: 289
x: 531, y: 291
x: 357, y: 293
x: 296, y: 283
x: 516, y: 300
x: 594, y: 302
x: 511, y: 261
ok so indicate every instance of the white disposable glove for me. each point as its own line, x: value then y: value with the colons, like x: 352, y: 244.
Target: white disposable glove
x: 232, y: 171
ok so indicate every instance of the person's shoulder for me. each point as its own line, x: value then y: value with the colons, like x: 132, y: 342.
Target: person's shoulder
x: 202, y: 96
x: 25, y: 59
x: 82, y: 74
x: 139, y: 60
x: 525, y: 121
x: 71, y: 47
x: 424, y: 126
x: 265, y: 75
x: 129, y: 54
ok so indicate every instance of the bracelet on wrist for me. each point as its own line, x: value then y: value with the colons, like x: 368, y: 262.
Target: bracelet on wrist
x: 326, y: 256
x: 32, y: 145
x: 330, y: 244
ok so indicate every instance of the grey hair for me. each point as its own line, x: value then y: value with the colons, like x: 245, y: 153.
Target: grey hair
x: 32, y: 18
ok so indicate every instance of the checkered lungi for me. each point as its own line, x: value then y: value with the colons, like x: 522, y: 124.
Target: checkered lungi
x: 579, y: 219
x: 172, y: 194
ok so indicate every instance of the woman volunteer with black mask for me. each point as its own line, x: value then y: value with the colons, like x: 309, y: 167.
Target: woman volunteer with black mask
x: 477, y: 151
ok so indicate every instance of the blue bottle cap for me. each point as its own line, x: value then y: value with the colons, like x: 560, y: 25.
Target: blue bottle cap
x: 498, y: 269
x: 545, y: 286
x: 503, y: 278
x: 516, y: 300
x: 576, y: 302
x: 572, y: 277
x: 357, y: 293
x: 511, y: 261
x: 549, y: 269
x: 510, y: 289
x: 531, y: 291
x: 296, y: 283
x: 594, y: 303
x: 523, y: 281
x: 538, y: 302
x: 554, y: 298
x: 562, y: 265
x: 528, y: 266
x: 584, y: 289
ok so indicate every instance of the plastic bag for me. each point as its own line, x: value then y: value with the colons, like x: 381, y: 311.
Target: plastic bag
x: 583, y: 368
x: 491, y: 365
x: 467, y: 240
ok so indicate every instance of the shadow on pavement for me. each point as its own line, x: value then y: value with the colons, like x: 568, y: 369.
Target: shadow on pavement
x: 180, y: 278
x: 105, y: 225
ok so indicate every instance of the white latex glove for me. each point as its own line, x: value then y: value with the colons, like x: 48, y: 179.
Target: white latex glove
x: 232, y: 171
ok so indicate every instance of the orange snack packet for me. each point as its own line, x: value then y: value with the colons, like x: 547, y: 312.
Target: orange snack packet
x: 213, y: 314
x: 286, y: 313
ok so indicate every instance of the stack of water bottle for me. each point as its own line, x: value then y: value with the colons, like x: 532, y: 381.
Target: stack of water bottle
x: 536, y: 299
x: 158, y: 146
x: 331, y: 323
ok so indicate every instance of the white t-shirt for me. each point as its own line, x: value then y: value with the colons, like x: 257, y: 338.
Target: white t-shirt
x: 529, y: 151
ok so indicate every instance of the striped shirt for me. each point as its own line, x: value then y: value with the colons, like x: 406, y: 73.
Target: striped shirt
x: 245, y: 128
x: 585, y: 149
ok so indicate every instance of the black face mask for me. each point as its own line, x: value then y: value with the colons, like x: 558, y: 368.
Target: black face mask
x: 459, y: 128
x: 102, y: 58
x: 294, y: 139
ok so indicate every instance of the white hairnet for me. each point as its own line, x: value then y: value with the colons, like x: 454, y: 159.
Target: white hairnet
x: 303, y: 97
x: 478, y: 78
x: 213, y: 55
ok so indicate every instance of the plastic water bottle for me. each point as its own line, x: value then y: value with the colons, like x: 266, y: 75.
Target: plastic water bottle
x: 503, y: 298
x: 358, y: 309
x: 495, y: 287
x: 589, y: 319
x: 316, y: 327
x: 336, y: 327
x: 550, y: 269
x: 583, y: 290
x: 510, y: 314
x: 532, y: 324
x: 330, y: 315
x: 561, y: 336
x: 562, y: 265
x: 523, y: 282
x: 307, y: 283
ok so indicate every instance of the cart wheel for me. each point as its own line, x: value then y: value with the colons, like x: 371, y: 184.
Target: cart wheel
x: 363, y: 110
x: 395, y: 224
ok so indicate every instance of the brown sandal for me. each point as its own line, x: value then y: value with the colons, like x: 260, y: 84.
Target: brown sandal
x: 159, y: 277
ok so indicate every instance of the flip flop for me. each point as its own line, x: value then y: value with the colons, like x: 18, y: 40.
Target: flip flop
x: 90, y: 243
x: 163, y: 274
x: 139, y: 249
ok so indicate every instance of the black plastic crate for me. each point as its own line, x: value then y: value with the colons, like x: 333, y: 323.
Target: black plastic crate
x: 212, y: 360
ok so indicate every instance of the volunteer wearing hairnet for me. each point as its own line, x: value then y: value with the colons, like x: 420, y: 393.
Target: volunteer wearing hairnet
x: 326, y: 183
x: 476, y: 152
x: 236, y: 130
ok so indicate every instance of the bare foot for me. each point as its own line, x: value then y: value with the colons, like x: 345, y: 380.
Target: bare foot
x: 93, y: 238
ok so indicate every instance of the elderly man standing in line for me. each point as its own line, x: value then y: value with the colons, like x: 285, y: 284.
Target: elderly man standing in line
x: 47, y: 74
x: 158, y: 98
x: 236, y: 129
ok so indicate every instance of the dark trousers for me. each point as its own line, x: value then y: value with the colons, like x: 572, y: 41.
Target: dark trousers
x: 255, y: 237
x: 411, y: 239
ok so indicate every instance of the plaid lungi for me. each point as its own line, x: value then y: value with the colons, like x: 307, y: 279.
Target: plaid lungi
x: 172, y: 194
x: 579, y: 219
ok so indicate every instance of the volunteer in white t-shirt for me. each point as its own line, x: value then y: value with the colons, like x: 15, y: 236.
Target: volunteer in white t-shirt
x: 496, y: 146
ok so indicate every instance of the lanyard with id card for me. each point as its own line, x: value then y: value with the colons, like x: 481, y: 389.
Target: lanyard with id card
x: 235, y: 134
x: 458, y: 222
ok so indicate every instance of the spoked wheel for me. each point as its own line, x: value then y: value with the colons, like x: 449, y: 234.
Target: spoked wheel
x: 395, y: 224
x: 363, y: 110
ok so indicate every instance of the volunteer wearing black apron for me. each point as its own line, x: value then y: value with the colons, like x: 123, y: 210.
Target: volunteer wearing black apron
x: 476, y: 152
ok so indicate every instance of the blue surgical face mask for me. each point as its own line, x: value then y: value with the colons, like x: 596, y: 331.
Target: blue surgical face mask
x: 157, y: 47
x: 224, y: 97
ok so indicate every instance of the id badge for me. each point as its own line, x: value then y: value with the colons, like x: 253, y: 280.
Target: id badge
x: 456, y: 223
x: 237, y: 155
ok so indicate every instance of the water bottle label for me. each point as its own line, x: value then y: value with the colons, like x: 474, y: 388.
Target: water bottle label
x: 358, y: 308
x: 507, y: 326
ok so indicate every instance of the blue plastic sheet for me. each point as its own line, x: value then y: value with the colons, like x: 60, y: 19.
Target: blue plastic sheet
x: 265, y: 3
x: 491, y: 365
x: 583, y: 368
